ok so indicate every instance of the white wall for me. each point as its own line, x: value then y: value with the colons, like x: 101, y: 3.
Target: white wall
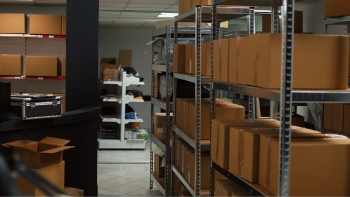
x: 112, y: 40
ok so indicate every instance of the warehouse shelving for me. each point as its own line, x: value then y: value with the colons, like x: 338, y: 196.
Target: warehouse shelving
x: 161, y: 104
x: 205, y: 144
x: 192, y: 78
x: 160, y: 67
x: 158, y: 182
x: 120, y: 119
x: 32, y: 36
x: 32, y: 78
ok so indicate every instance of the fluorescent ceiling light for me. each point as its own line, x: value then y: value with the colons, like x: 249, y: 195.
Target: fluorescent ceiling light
x: 167, y: 15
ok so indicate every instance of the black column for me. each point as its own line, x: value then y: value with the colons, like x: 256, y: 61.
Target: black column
x: 82, y: 54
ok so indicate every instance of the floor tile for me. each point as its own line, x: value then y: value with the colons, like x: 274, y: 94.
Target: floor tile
x: 145, y: 192
x: 104, y: 192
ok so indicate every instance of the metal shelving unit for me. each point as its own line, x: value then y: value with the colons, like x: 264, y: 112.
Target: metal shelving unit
x: 161, y: 104
x: 120, y: 119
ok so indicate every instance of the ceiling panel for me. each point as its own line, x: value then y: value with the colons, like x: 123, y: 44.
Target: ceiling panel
x: 139, y: 14
x: 136, y: 5
x: 113, y: 5
x: 145, y: 9
x: 111, y: 13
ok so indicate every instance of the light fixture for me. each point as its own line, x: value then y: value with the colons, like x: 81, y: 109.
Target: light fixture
x: 167, y: 15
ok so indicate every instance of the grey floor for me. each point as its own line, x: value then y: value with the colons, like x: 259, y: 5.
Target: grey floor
x: 125, y: 173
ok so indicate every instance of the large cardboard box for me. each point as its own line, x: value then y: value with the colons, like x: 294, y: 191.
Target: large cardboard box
x: 243, y: 58
x: 11, y: 65
x: 232, y: 61
x: 63, y: 66
x: 125, y: 58
x: 326, y: 54
x: 205, y: 169
x: 204, y: 59
x: 224, y: 58
x: 333, y: 116
x: 179, y: 54
x: 206, y: 2
x: 298, y: 22
x: 318, y: 166
x: 41, y: 66
x: 64, y: 25
x: 208, y: 59
x: 336, y: 8
x: 190, y: 62
x: 187, y: 162
x: 196, y: 3
x: 160, y: 125
x: 12, y: 23
x: 159, y: 170
x: 193, y: 63
x: 216, y: 60
x: 53, y: 173
x: 46, y: 152
x: 186, y: 5
x: 45, y: 24
x: 346, y: 120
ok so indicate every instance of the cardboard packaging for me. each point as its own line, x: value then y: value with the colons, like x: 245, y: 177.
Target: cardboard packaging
x: 205, y: 169
x: 46, y: 152
x: 208, y: 59
x: 193, y: 63
x: 333, y: 116
x: 63, y: 66
x: 53, y: 173
x: 41, y: 66
x: 328, y: 54
x: 107, y: 63
x: 196, y: 3
x: 232, y: 61
x: 298, y: 22
x: 186, y: 5
x: 156, y: 93
x: 125, y: 58
x: 206, y: 2
x: 160, y: 125
x: 11, y: 65
x: 45, y: 24
x: 243, y: 56
x: 248, y: 60
x: 74, y: 192
x: 110, y: 74
x: 179, y: 54
x: 315, y: 168
x: 12, y: 23
x: 224, y: 58
x: 158, y: 169
x: 346, y: 120
x: 64, y: 25
x: 225, y: 187
x: 63, y: 100
x: 216, y: 60
x: 204, y: 63
x: 336, y: 8
x: 189, y: 62
x: 180, y: 7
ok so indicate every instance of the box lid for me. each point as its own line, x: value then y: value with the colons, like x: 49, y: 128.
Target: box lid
x: 54, y: 141
x: 58, y: 149
x: 19, y: 143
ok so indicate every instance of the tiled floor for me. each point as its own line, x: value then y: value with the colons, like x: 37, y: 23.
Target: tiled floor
x: 125, y: 173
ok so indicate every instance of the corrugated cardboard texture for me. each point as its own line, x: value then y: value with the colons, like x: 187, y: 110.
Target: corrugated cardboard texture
x: 179, y: 53
x: 193, y: 62
x: 12, y: 23
x: 337, y: 8
x: 53, y: 173
x: 125, y: 58
x: 41, y: 66
x: 243, y: 56
x: 45, y: 24
x: 232, y: 61
x: 11, y: 65
x: 319, y: 167
x: 333, y: 116
x: 63, y: 66
x: 224, y: 54
x: 216, y: 60
x: 64, y: 25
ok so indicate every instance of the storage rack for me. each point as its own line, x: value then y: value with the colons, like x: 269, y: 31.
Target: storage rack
x: 120, y: 119
x: 285, y: 96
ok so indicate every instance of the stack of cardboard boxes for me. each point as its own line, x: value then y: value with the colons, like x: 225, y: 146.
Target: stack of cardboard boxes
x: 185, y: 5
x: 108, y: 68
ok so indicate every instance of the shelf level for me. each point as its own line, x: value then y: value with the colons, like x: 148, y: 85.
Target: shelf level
x: 299, y: 96
x: 121, y: 83
x: 118, y: 120
x: 159, y: 143
x: 158, y: 182
x: 159, y: 67
x: 118, y: 144
x: 32, y: 36
x: 181, y: 30
x: 252, y: 189
x: 161, y: 104
x: 33, y: 78
x: 338, y: 21
x: 191, y: 78
x: 249, y: 2
x: 119, y: 100
x: 205, y: 144
x: 203, y: 192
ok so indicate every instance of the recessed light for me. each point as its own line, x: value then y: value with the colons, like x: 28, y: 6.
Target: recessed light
x: 167, y: 15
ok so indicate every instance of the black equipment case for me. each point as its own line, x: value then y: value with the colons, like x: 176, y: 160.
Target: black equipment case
x: 29, y: 107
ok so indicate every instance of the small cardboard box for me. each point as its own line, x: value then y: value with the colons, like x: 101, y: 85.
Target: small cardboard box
x: 125, y: 58
x: 336, y: 8
x: 160, y: 125
x: 11, y: 65
x: 158, y: 168
x: 64, y: 25
x: 41, y: 66
x: 179, y: 53
x: 333, y: 116
x: 247, y: 60
x: 12, y: 23
x: 110, y: 73
x: 45, y: 24
x: 47, y: 151
x: 63, y: 66
x: 53, y: 173
x: 189, y: 62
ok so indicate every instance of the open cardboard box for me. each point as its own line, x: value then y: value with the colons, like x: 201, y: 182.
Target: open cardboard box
x: 40, y: 154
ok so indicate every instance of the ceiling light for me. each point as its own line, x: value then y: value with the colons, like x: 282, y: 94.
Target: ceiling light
x: 167, y: 15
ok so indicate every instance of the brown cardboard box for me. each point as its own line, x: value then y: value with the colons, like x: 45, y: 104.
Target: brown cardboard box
x: 45, y: 24
x: 12, y: 23
x: 205, y: 169
x: 204, y: 58
x: 158, y: 169
x: 63, y: 101
x: 193, y: 63
x: 232, y: 61
x: 107, y: 63
x: 298, y: 22
x: 310, y: 54
x: 189, y: 64
x: 224, y: 57
x: 333, y: 116
x: 196, y: 3
x: 63, y: 66
x: 218, y: 185
x: 312, y: 166
x: 179, y: 55
x: 11, y: 65
x: 187, y: 162
x: 337, y: 8
x: 346, y: 120
x: 206, y: 2
x: 110, y: 74
x: 181, y: 4
x: 185, y: 111
x: 247, y: 60
x: 47, y: 151
x: 156, y: 93
x: 208, y: 59
x: 298, y: 120
x: 125, y: 58
x: 216, y: 60
x: 186, y: 5
x: 70, y: 191
x: 41, y: 66
x: 243, y: 56
x: 160, y: 125
x: 53, y: 173
x: 64, y: 25
x: 178, y: 117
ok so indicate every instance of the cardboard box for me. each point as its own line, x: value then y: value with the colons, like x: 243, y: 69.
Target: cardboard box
x: 298, y: 120
x: 336, y: 8
x: 70, y: 191
x: 45, y: 24
x: 247, y: 60
x: 186, y: 5
x: 205, y: 169
x: 110, y: 63
x: 159, y: 170
x: 193, y: 62
x: 216, y: 60
x: 232, y: 61
x: 63, y: 100
x: 179, y: 54
x: 232, y: 190
x: 160, y: 125
x: 46, y: 152
x: 125, y: 58
x: 64, y: 25
x: 11, y: 65
x: 63, y: 66
x: 328, y: 54
x: 189, y: 62
x: 312, y: 166
x: 208, y: 59
x: 196, y: 3
x: 187, y: 160
x: 206, y: 2
x: 156, y: 93
x: 224, y: 58
x: 180, y: 7
x: 53, y: 173
x: 298, y: 22
x: 346, y: 120
x: 333, y: 116
x: 41, y: 66
x: 110, y: 74
x: 12, y: 23
x: 204, y: 59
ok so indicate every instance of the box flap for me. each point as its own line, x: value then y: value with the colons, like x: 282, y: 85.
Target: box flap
x: 19, y: 143
x: 58, y: 149
x: 54, y: 141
